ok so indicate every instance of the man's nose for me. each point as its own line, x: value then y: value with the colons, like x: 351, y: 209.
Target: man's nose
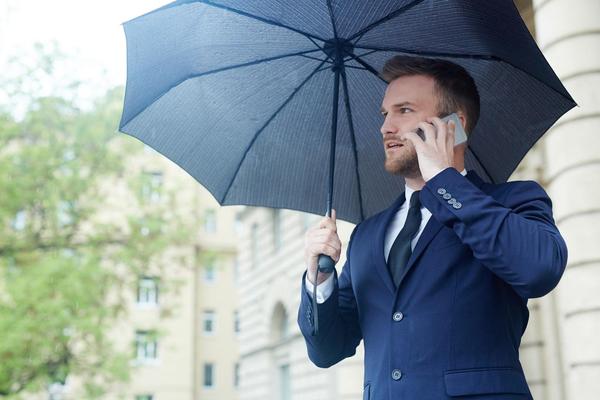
x: 387, y: 127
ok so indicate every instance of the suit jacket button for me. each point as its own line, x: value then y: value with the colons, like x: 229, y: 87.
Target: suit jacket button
x: 457, y: 205
x: 446, y: 196
x: 441, y: 190
x: 396, y: 374
x: 452, y: 201
x: 398, y: 316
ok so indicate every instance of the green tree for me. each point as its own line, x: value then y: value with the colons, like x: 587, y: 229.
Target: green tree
x: 60, y: 289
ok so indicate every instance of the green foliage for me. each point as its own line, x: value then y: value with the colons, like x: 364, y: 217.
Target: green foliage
x: 60, y: 285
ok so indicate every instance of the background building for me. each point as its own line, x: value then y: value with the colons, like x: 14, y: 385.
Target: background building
x: 274, y: 364
x: 195, y: 354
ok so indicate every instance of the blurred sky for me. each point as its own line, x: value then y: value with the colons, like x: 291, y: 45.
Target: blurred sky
x: 89, y: 32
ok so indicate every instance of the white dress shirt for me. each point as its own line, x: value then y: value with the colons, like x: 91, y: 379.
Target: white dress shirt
x: 325, y: 289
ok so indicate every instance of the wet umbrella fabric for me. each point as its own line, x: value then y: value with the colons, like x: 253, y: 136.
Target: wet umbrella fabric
x: 252, y: 97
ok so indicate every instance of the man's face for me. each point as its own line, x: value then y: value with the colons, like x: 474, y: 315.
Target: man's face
x: 408, y: 100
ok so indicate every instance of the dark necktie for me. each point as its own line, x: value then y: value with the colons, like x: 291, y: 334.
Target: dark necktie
x: 401, y: 251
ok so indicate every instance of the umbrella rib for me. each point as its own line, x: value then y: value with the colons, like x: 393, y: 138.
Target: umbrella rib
x: 246, y: 64
x: 262, y: 19
x: 367, y: 66
x: 367, y: 53
x: 472, y: 56
x: 281, y: 107
x: 391, y: 15
x: 353, y: 137
x: 467, y: 56
x: 481, y: 164
x: 315, y: 43
x: 353, y: 67
x: 430, y: 53
x: 330, y: 9
x: 317, y: 59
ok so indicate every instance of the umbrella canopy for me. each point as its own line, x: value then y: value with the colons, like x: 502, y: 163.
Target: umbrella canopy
x: 256, y: 99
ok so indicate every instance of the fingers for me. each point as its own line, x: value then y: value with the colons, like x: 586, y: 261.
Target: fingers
x: 444, y: 132
x: 329, y: 222
x: 440, y: 128
x: 415, y: 140
x: 450, y: 137
x: 325, y: 236
x: 429, y: 130
x: 323, y: 239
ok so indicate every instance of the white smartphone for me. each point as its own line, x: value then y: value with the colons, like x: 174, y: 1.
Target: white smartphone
x: 459, y: 133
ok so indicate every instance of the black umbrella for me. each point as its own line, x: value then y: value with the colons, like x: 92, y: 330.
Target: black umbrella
x: 276, y: 103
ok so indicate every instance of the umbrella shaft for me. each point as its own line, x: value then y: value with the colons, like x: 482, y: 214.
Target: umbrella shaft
x: 334, y: 118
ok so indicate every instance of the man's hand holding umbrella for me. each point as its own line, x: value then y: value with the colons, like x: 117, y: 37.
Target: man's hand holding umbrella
x: 321, y: 239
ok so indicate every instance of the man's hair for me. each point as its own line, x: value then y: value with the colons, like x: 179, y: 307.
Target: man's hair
x: 456, y: 89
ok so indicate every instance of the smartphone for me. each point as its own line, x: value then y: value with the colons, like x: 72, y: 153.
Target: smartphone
x: 459, y: 133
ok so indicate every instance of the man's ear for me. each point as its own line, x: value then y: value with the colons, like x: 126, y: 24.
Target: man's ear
x: 463, y: 121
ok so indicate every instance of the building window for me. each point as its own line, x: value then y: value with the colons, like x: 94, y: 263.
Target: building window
x: 147, y: 293
x: 151, y: 187
x: 209, y: 271
x: 236, y: 375
x: 144, y: 397
x: 279, y: 324
x: 254, y: 245
x: 146, y: 345
x: 238, y: 225
x: 209, y: 372
x: 19, y: 221
x: 236, y: 269
x: 285, y: 387
x: 276, y: 229
x: 236, y: 322
x: 210, y: 221
x: 208, y: 322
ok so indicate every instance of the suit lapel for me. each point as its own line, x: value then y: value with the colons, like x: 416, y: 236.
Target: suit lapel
x: 429, y: 232
x: 379, y: 252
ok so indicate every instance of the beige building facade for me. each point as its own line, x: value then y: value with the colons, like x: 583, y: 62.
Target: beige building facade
x: 195, y: 354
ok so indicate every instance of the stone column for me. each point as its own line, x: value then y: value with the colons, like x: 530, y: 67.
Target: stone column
x: 568, y: 32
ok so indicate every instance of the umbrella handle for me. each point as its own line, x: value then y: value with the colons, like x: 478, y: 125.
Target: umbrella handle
x: 326, y: 264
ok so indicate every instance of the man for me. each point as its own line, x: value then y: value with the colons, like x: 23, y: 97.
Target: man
x: 437, y: 284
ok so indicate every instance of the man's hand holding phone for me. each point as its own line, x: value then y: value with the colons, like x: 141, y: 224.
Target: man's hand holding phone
x: 435, y: 148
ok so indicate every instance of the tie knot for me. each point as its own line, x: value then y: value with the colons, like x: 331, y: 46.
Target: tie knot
x: 415, y: 200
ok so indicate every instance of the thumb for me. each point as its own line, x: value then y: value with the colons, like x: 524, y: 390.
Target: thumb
x: 333, y: 214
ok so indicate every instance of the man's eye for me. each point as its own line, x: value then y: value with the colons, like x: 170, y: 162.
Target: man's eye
x: 404, y: 108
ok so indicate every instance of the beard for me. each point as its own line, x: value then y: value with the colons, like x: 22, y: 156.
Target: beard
x: 404, y: 162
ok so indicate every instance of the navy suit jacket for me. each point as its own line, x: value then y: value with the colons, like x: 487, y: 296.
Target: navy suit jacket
x: 454, y: 325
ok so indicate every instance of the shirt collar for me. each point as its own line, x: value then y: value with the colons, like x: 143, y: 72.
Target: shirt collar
x: 408, y: 191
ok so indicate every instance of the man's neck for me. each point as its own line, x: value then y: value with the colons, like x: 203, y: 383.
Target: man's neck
x: 415, y: 183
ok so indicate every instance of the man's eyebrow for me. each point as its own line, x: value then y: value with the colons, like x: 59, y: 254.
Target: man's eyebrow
x: 404, y: 103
